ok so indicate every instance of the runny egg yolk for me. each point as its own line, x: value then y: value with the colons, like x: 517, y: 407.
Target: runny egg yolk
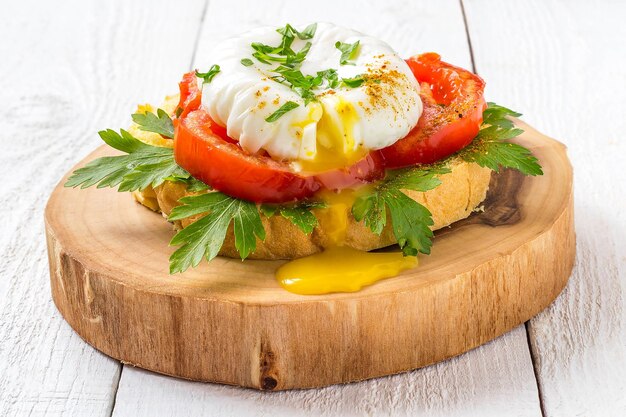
x: 335, y: 145
x: 339, y: 268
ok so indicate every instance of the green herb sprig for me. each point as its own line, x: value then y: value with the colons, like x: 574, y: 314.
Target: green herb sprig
x: 289, y: 61
x: 143, y: 165
x: 208, y: 76
x: 204, y: 238
x: 287, y: 107
x: 410, y: 220
x: 299, y: 214
x: 348, y: 52
x: 353, y: 82
x: 492, y: 148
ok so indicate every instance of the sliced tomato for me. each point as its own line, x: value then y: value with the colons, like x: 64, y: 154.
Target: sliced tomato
x: 203, y: 148
x: 191, y: 99
x: 190, y: 95
x: 227, y: 168
x: 453, y: 112
x: 368, y: 169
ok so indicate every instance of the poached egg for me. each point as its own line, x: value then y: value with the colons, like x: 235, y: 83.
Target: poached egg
x: 336, y: 128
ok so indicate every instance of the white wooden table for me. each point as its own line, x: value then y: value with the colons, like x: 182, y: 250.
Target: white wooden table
x: 73, y: 67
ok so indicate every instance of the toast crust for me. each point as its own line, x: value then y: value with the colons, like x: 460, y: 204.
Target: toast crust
x: 461, y: 191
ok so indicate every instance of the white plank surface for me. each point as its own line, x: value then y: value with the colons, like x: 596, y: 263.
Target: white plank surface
x: 562, y: 64
x: 493, y: 380
x: 486, y: 382
x: 67, y: 69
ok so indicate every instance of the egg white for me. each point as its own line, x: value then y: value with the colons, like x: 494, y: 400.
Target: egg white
x: 344, y: 121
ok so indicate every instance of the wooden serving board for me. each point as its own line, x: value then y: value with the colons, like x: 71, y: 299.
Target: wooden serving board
x: 230, y: 322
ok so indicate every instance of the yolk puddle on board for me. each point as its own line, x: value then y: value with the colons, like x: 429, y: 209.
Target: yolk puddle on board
x: 339, y: 268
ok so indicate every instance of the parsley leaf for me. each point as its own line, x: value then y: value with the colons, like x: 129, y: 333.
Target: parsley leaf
x: 348, y: 52
x: 289, y: 61
x: 204, y: 237
x: 160, y: 123
x: 282, y: 54
x: 288, y: 106
x: 410, y: 220
x: 299, y: 214
x: 308, y: 32
x: 290, y: 32
x: 124, y: 142
x: 108, y: 171
x: 496, y: 115
x: 146, y: 175
x: 492, y: 149
x: 331, y: 77
x: 193, y: 185
x: 207, y: 77
x: 353, y: 82
x: 246, y: 62
x: 143, y: 165
x: 298, y: 82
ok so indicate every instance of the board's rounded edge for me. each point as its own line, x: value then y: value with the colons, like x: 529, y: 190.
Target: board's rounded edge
x: 257, y: 355
x: 263, y: 364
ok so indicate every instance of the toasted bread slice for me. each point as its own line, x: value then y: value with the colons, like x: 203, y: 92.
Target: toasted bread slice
x: 460, y: 192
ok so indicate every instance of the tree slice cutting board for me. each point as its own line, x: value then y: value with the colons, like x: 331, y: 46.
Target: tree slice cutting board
x: 230, y: 322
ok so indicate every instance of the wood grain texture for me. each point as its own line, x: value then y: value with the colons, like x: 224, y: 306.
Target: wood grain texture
x: 67, y: 70
x: 231, y: 322
x: 462, y: 386
x: 562, y: 64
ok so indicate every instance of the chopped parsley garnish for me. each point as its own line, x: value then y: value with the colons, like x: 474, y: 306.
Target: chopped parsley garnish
x: 289, y: 31
x: 288, y: 106
x: 208, y: 76
x: 348, y: 52
x: 331, y: 77
x: 288, y: 62
x: 353, y: 82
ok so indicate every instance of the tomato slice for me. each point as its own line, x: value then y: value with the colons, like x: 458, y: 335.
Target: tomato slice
x: 190, y: 95
x: 227, y: 168
x: 203, y: 148
x: 453, y: 112
x: 453, y: 106
x: 368, y: 169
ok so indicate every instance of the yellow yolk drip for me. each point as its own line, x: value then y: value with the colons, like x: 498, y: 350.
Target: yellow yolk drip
x: 335, y: 140
x: 339, y: 268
